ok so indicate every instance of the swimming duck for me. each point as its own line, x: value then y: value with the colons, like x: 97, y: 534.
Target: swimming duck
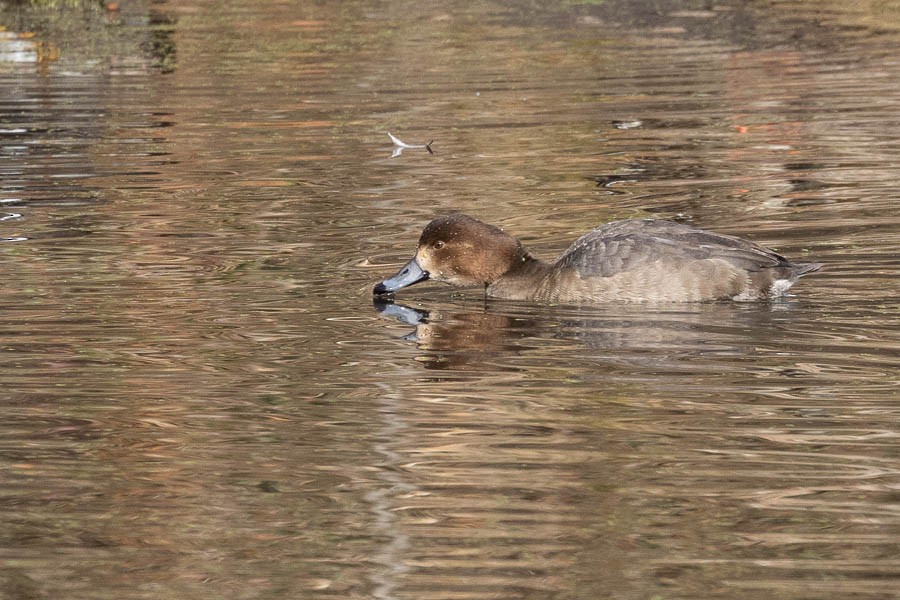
x: 635, y: 260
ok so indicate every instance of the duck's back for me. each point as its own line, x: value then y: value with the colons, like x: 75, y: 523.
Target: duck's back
x: 650, y: 260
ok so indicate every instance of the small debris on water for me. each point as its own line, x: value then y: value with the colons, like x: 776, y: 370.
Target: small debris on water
x: 400, y: 146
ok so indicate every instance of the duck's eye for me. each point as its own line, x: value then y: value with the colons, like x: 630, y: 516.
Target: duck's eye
x: 438, y: 245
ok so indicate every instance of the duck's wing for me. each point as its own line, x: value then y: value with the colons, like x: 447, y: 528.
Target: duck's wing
x: 623, y: 246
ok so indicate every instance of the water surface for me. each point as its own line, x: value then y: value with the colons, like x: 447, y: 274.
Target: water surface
x: 201, y: 399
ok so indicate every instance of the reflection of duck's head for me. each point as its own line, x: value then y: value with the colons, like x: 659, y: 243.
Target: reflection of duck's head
x: 462, y: 337
x: 632, y: 260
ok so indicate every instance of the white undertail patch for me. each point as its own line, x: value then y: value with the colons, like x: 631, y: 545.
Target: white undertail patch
x: 779, y: 287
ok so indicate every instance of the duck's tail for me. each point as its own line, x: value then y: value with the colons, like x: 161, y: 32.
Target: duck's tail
x: 786, y: 276
x: 804, y: 268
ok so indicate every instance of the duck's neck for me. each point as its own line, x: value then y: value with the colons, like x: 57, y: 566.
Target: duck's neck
x: 522, y: 281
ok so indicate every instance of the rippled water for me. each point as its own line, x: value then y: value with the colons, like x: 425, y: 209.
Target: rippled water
x: 201, y: 400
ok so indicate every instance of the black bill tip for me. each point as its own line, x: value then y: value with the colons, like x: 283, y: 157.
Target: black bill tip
x: 381, y: 290
x: 410, y: 274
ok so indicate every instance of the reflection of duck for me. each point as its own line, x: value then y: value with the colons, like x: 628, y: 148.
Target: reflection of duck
x: 632, y: 261
x: 473, y: 338
x: 461, y: 337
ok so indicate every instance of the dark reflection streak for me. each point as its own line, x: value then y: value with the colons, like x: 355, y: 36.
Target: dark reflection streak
x: 385, y: 525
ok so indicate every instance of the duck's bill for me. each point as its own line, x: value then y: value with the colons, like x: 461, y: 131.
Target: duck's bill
x: 411, y: 273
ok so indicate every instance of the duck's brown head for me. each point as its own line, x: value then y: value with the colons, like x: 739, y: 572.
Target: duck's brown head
x: 458, y: 250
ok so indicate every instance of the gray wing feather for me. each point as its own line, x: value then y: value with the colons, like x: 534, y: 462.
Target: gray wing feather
x: 627, y: 245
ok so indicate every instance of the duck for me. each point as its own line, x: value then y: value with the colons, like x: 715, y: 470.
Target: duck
x: 632, y: 260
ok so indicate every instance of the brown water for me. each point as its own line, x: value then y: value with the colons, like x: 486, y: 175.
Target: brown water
x: 200, y: 400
